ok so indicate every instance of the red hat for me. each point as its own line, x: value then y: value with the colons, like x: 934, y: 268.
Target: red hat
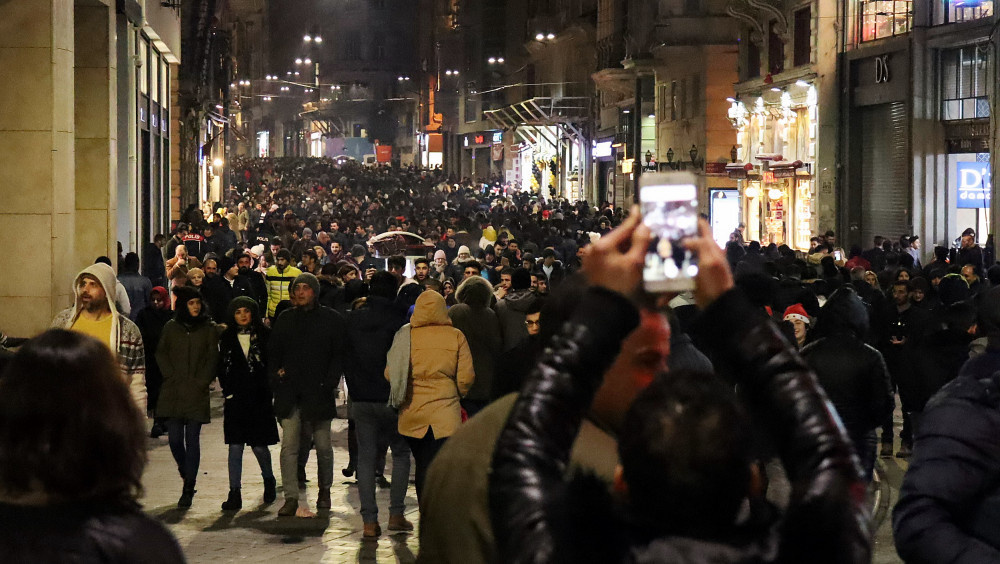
x: 796, y: 312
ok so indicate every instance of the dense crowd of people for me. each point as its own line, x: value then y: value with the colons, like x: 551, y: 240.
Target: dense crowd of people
x: 505, y: 344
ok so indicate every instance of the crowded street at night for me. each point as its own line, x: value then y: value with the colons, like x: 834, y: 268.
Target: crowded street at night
x: 499, y: 282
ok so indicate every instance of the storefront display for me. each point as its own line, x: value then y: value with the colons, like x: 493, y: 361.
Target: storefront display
x: 777, y: 135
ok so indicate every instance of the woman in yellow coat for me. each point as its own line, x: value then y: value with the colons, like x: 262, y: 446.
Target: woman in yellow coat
x: 440, y: 373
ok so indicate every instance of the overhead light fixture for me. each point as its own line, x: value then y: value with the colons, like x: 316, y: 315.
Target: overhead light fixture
x: 801, y: 83
x: 318, y: 39
x: 652, y: 116
x: 539, y: 36
x: 775, y: 89
x: 730, y: 99
x: 217, y: 163
x: 500, y: 60
x: 307, y: 61
x: 307, y: 38
x: 550, y: 36
x: 491, y: 60
x: 298, y: 61
x: 626, y: 111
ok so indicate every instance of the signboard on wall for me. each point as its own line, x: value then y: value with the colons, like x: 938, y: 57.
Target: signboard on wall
x: 974, y: 185
x: 383, y: 153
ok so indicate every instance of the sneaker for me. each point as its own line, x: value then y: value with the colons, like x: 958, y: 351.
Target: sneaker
x: 288, y: 509
x: 372, y: 530
x: 234, y: 503
x: 323, y: 499
x: 382, y: 483
x: 399, y: 523
x: 270, y: 490
x: 886, y: 451
x: 905, y: 451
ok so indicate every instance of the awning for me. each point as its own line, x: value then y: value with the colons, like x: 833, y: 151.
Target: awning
x: 528, y: 118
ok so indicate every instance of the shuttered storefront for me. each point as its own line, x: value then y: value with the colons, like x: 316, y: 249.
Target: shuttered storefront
x: 885, y: 171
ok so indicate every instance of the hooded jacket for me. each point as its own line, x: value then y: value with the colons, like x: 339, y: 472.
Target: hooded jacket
x: 187, y: 354
x: 511, y: 311
x: 441, y: 371
x: 852, y: 373
x: 481, y: 327
x: 126, y: 340
x: 370, y: 331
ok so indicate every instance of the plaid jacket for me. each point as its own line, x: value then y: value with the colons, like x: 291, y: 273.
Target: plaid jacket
x: 130, y: 353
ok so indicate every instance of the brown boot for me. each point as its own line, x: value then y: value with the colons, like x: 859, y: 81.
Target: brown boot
x: 399, y: 523
x: 372, y: 530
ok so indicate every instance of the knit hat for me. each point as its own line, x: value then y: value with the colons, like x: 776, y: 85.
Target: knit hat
x: 257, y: 250
x: 439, y: 254
x: 358, y: 251
x: 796, y: 312
x: 306, y: 232
x: 242, y: 301
x: 306, y: 278
x: 464, y: 249
x: 224, y: 263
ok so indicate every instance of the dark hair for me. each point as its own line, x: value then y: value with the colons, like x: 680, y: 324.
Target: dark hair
x: 383, y: 284
x: 345, y: 269
x: 535, y: 306
x: 103, y: 260
x: 328, y: 269
x: 310, y: 253
x: 130, y: 263
x: 68, y: 422
x: 421, y: 260
x: 686, y: 455
x: 283, y: 254
x: 396, y: 262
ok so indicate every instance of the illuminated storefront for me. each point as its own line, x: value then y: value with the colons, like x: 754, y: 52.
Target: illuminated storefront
x: 777, y: 137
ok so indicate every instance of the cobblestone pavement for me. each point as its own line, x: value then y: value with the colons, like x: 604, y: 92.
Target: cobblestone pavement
x: 256, y: 533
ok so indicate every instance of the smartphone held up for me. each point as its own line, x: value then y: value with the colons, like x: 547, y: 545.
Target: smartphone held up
x: 669, y: 203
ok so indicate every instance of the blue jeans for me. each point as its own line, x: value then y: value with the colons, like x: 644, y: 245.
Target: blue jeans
x: 291, y: 429
x: 236, y: 464
x: 185, y: 444
x: 377, y: 423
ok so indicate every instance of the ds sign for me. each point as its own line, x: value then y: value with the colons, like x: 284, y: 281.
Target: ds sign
x: 975, y: 185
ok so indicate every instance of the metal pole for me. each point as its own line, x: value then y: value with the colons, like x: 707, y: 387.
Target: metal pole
x: 637, y: 139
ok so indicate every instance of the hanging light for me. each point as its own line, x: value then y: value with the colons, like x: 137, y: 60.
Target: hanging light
x: 751, y: 192
x: 774, y: 194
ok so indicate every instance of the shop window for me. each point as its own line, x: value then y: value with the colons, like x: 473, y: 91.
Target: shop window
x: 964, y: 83
x: 952, y: 11
x: 885, y: 18
x: 753, y: 59
x: 775, y: 50
x: 803, y: 37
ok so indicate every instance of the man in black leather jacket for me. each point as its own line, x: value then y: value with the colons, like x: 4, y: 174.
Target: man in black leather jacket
x: 538, y: 517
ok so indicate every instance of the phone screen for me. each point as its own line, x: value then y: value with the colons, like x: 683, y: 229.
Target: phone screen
x: 670, y: 209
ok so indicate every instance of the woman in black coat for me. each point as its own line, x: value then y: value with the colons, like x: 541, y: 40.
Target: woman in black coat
x: 248, y: 416
x: 151, y: 320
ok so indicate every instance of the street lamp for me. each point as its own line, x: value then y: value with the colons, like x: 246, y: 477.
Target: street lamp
x: 318, y: 39
x: 298, y: 61
x: 307, y: 38
x: 307, y: 61
x: 539, y: 37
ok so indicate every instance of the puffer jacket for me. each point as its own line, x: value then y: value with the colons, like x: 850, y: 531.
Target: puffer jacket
x: 279, y: 286
x: 949, y: 501
x: 441, y: 371
x: 826, y: 520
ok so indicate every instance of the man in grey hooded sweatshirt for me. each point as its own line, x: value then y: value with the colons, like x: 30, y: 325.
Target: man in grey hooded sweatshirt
x: 94, y: 313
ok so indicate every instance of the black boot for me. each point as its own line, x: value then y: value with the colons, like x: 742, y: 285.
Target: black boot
x: 270, y: 491
x: 187, y: 495
x: 352, y: 448
x: 235, y: 501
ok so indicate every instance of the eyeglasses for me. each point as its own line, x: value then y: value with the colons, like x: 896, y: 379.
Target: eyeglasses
x: 531, y: 323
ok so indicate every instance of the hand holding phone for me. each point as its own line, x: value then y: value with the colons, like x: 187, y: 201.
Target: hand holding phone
x: 670, y: 210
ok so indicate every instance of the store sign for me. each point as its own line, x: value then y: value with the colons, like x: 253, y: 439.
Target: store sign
x: 882, y: 69
x: 784, y: 173
x: 768, y: 176
x: 383, y: 153
x: 974, y: 184
x: 498, y: 136
x: 602, y: 149
x: 715, y: 169
x: 479, y: 139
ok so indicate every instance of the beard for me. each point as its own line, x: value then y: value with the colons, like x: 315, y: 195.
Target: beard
x: 96, y: 306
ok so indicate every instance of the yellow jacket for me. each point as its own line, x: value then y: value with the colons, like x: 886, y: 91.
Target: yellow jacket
x: 279, y: 285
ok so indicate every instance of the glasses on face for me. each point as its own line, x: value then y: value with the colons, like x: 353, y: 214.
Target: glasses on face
x: 531, y: 323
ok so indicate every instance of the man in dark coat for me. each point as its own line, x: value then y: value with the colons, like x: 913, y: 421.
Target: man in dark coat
x: 370, y: 332
x: 474, y: 318
x: 512, y: 308
x: 249, y: 282
x: 306, y: 354
x: 948, y: 502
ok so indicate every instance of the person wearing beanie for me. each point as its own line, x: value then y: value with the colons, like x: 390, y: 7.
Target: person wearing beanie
x: 456, y: 269
x: 218, y: 289
x: 797, y: 316
x: 306, y: 356
x: 187, y: 355
x: 279, y: 278
x: 440, y: 265
x: 248, y: 413
x: 512, y: 309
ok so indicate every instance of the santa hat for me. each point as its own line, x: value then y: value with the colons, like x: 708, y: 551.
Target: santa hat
x: 796, y: 312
